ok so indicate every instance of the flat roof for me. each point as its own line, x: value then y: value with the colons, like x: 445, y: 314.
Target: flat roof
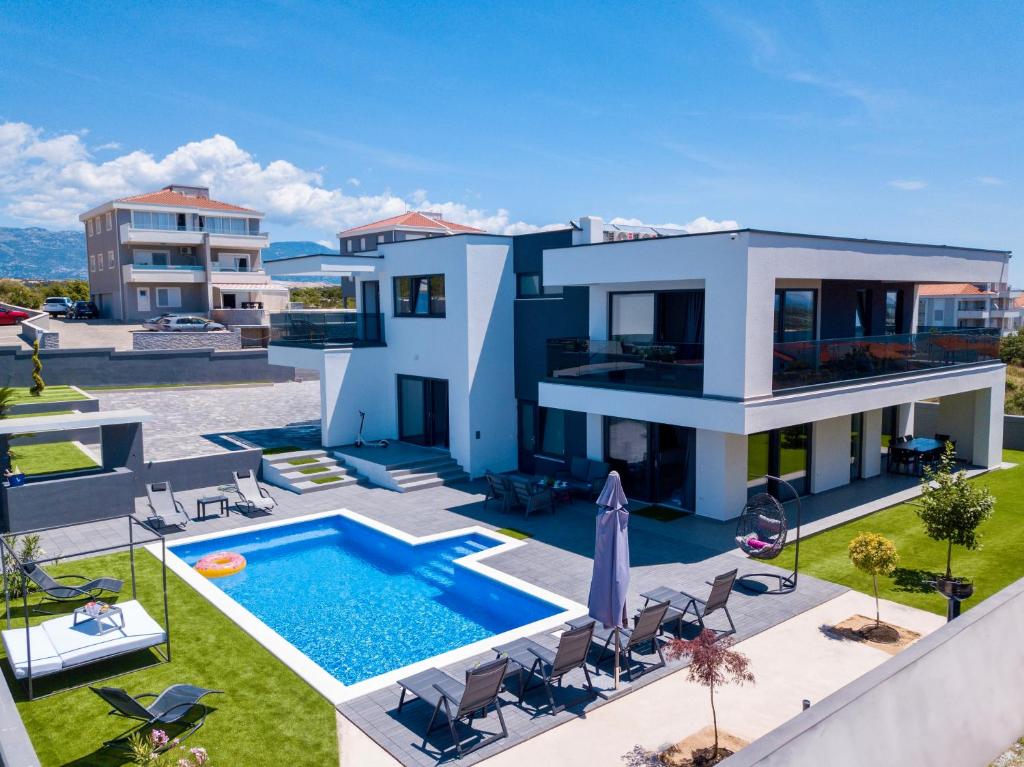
x: 67, y: 421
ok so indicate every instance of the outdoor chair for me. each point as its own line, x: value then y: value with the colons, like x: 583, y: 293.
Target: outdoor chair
x: 902, y: 461
x: 55, y: 591
x: 252, y: 495
x: 460, y: 701
x: 533, y: 497
x: 943, y: 438
x: 169, y: 707
x: 646, y: 627
x: 551, y: 666
x: 499, y: 489
x: 164, y: 507
x: 682, y: 605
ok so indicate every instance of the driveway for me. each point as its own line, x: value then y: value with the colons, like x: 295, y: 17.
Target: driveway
x: 91, y: 334
x: 187, y: 421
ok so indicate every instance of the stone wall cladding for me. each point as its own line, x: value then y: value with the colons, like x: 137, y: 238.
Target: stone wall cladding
x: 223, y: 340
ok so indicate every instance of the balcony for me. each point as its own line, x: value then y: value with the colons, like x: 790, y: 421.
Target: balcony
x: 163, y: 273
x: 675, y: 367
x: 238, y: 276
x: 192, y: 235
x: 326, y: 330
x: 800, y: 364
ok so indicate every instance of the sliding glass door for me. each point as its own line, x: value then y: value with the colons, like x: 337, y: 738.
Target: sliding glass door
x: 655, y: 461
x: 782, y: 453
x: 423, y: 411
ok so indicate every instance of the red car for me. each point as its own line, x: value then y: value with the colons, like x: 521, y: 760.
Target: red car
x: 12, y: 316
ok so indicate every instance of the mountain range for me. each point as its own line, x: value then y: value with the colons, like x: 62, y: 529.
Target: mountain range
x: 36, y: 253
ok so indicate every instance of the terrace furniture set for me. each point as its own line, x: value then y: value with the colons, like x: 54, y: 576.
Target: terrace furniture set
x: 528, y: 660
x: 167, y: 511
x: 909, y: 454
x: 515, y: 490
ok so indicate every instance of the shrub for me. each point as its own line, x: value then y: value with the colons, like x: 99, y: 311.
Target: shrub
x: 38, y: 384
x: 1011, y: 349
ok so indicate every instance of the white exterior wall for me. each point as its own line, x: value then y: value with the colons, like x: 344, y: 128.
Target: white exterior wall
x: 721, y: 473
x: 830, y: 453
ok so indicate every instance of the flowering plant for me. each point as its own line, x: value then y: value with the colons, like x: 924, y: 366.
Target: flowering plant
x: 158, y: 750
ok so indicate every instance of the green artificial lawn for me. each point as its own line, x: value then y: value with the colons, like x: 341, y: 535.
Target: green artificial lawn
x: 325, y: 480
x: 266, y: 716
x: 660, y: 513
x: 51, y: 457
x: 280, y: 449
x: 512, y: 532
x: 301, y: 461
x: 50, y: 394
x: 996, y: 565
x: 314, y: 470
x: 36, y: 415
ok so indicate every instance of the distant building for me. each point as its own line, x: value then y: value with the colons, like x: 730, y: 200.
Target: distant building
x: 970, y: 305
x: 414, y: 225
x: 179, y: 251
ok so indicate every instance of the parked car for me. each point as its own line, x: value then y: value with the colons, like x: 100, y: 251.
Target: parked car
x: 12, y: 316
x: 153, y: 323
x: 177, y: 322
x: 57, y: 305
x: 83, y: 310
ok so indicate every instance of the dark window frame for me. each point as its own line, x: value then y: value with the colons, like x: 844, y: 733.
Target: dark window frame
x: 539, y: 426
x: 431, y: 296
x: 779, y: 326
x: 543, y: 291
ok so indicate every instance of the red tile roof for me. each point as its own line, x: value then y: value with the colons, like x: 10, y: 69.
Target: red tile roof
x: 1019, y: 302
x: 177, y: 199
x: 412, y: 219
x: 952, y: 289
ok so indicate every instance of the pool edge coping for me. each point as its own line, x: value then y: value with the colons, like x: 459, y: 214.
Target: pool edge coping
x: 315, y: 675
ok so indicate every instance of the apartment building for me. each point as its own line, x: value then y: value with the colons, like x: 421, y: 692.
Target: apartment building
x: 694, y: 364
x: 970, y: 305
x: 413, y: 225
x: 177, y: 250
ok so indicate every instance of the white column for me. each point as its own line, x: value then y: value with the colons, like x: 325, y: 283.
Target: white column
x: 957, y: 418
x: 871, y: 441
x: 988, y: 425
x: 905, y: 419
x: 721, y: 474
x: 830, y: 453
x: 595, y: 437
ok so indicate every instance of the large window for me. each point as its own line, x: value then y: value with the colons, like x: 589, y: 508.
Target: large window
x: 223, y: 225
x: 795, y: 315
x: 552, y: 431
x: 421, y: 296
x: 529, y: 285
x: 893, y: 312
x: 145, y: 220
x: 782, y: 453
x: 541, y: 430
x: 168, y: 297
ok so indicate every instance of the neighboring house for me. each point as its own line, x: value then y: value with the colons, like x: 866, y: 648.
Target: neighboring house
x: 969, y: 305
x: 414, y: 225
x: 693, y: 364
x: 177, y: 250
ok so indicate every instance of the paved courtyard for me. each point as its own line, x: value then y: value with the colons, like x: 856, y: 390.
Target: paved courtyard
x: 190, y: 421
x: 685, y: 554
x: 92, y: 334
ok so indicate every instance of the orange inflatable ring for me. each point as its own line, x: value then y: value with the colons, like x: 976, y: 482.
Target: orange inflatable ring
x: 220, y: 564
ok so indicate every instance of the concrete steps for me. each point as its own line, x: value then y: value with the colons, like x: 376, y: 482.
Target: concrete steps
x: 430, y: 469
x: 306, y: 471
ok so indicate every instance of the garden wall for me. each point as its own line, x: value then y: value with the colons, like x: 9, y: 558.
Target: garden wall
x: 67, y: 500
x: 197, y: 471
x: 146, y: 340
x: 953, y: 698
x: 926, y: 414
x: 107, y: 367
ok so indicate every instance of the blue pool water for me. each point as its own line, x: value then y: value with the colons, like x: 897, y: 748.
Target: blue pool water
x: 359, y: 602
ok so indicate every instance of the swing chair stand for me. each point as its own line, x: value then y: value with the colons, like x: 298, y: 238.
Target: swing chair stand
x: 762, y: 509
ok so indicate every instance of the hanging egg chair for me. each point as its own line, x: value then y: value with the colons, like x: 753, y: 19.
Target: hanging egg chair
x: 761, y: 532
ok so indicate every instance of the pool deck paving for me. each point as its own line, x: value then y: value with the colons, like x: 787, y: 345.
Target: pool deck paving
x: 685, y: 554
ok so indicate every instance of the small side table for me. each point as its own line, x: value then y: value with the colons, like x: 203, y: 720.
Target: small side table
x: 220, y: 500
x: 105, y: 621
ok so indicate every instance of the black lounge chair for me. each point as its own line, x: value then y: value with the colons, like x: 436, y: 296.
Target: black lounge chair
x: 460, y: 701
x: 170, y: 706
x: 165, y: 509
x: 551, y: 666
x: 683, y: 605
x: 646, y: 627
x: 499, y: 489
x: 55, y: 591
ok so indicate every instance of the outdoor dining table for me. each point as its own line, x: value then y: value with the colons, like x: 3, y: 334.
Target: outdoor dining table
x: 921, y: 449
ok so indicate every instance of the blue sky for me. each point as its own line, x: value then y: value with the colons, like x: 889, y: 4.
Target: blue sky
x: 867, y: 119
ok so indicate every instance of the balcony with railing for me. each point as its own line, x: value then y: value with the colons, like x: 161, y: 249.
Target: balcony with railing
x: 674, y: 367
x: 800, y: 364
x: 326, y: 329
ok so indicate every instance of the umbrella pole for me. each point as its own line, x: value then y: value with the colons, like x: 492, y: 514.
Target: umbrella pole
x: 615, y: 673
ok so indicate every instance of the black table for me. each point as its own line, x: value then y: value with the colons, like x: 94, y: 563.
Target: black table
x: 220, y: 500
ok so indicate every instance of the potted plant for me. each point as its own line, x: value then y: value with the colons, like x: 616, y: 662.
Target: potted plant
x: 951, y: 509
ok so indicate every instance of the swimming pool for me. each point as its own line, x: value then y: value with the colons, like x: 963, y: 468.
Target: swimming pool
x: 361, y: 600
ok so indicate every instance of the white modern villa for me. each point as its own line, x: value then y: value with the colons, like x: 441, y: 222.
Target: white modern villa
x: 694, y: 364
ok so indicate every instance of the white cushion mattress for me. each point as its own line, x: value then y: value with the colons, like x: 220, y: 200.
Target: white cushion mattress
x: 61, y: 645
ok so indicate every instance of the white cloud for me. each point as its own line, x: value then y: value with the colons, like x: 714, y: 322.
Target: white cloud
x: 354, y: 181
x: 908, y: 185
x: 990, y: 180
x: 698, y: 225
x: 49, y: 180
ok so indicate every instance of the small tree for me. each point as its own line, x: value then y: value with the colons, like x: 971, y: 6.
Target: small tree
x: 952, y: 508
x: 38, y: 384
x: 874, y: 555
x: 713, y: 663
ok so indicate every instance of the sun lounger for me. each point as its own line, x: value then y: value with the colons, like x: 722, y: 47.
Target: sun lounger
x: 165, y: 509
x: 55, y: 591
x: 169, y: 707
x: 252, y: 495
x: 687, y: 609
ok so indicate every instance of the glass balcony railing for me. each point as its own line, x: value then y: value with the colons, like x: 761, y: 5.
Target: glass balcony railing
x: 819, y: 363
x: 322, y: 330
x: 171, y: 267
x: 642, y: 365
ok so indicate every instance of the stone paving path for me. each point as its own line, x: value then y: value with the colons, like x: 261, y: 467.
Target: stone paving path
x: 186, y: 421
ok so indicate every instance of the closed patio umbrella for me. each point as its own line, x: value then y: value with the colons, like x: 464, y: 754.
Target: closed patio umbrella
x: 610, y: 579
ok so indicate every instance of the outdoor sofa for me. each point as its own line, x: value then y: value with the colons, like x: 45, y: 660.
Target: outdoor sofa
x: 584, y: 477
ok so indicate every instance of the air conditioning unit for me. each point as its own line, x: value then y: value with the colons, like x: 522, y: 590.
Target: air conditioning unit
x: 190, y: 251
